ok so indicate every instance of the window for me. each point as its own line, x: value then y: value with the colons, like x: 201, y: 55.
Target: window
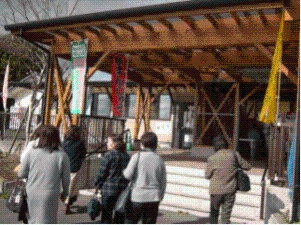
x: 130, y: 106
x: 101, y: 105
x: 164, y: 107
x: 160, y: 108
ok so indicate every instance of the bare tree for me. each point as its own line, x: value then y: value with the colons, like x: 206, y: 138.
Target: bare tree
x: 17, y: 11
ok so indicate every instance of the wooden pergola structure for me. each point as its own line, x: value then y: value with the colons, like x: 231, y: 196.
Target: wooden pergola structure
x: 192, y: 46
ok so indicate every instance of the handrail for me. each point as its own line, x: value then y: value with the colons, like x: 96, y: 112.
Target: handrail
x: 96, y: 150
x: 263, y: 183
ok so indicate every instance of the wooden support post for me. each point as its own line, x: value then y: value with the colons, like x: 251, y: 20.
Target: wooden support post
x: 236, y: 118
x: 137, y: 114
x: 66, y: 103
x: 197, y: 117
x: 147, y: 112
x: 59, y: 88
x: 49, y: 94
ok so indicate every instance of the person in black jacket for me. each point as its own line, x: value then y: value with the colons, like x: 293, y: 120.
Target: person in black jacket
x: 110, y: 179
x: 76, y: 150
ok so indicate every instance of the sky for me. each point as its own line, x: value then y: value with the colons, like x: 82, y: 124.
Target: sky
x: 91, y: 6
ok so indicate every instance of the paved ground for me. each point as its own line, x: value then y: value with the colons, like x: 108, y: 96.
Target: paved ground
x: 81, y: 217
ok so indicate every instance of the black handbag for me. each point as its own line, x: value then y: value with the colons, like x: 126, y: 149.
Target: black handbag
x: 123, y: 203
x: 16, y: 201
x: 94, y: 207
x: 243, y: 180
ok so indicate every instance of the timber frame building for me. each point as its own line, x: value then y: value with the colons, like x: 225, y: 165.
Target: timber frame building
x: 216, y: 53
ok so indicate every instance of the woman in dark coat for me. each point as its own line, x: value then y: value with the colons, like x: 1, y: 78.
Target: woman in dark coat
x: 110, y: 179
x: 76, y: 150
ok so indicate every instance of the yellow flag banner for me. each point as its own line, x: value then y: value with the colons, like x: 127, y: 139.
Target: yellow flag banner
x: 269, y: 107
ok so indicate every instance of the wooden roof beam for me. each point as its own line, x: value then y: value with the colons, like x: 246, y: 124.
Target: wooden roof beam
x: 190, y: 21
x: 263, y: 17
x: 236, y: 18
x: 127, y: 27
x: 108, y: 28
x: 283, y: 68
x: 146, y: 26
x: 92, y: 30
x: 60, y: 33
x: 166, y: 23
x: 212, y: 20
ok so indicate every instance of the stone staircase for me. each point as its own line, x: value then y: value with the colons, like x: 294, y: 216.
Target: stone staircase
x: 188, y: 192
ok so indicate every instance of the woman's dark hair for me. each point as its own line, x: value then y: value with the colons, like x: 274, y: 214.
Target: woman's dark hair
x: 49, y: 138
x: 36, y: 133
x: 73, y: 133
x: 149, y: 140
x: 219, y: 143
x: 118, y: 141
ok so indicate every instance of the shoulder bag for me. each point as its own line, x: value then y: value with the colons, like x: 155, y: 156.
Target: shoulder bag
x: 94, y: 207
x: 16, y: 201
x: 243, y: 180
x: 124, y: 198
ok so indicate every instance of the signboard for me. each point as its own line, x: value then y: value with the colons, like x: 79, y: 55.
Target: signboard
x: 118, y: 83
x: 78, y: 75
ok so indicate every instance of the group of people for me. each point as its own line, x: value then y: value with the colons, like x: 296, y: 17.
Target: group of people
x: 53, y: 170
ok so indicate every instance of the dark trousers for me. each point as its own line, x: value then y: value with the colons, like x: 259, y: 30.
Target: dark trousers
x: 108, y: 203
x: 226, y: 202
x: 147, y: 211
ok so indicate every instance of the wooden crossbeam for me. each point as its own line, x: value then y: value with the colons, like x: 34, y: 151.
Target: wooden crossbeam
x: 215, y: 116
x: 283, y: 68
x: 93, y: 69
x: 212, y: 20
x: 60, y: 115
x: 59, y: 88
x: 61, y: 33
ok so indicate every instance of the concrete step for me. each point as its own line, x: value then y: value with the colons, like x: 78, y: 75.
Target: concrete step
x: 242, y: 198
x: 201, y: 182
x: 234, y: 220
x: 184, y: 203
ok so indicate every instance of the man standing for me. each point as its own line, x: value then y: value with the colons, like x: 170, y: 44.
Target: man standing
x: 221, y: 170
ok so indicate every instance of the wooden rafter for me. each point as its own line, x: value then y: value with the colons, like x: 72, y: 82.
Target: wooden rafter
x: 167, y: 40
x: 236, y: 18
x: 146, y: 25
x: 127, y: 27
x: 212, y: 20
x: 283, y: 68
x: 108, y: 28
x: 92, y: 30
x: 166, y: 23
x: 263, y: 17
x: 190, y: 21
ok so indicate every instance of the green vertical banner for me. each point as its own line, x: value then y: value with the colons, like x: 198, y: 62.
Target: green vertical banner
x: 79, y: 51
